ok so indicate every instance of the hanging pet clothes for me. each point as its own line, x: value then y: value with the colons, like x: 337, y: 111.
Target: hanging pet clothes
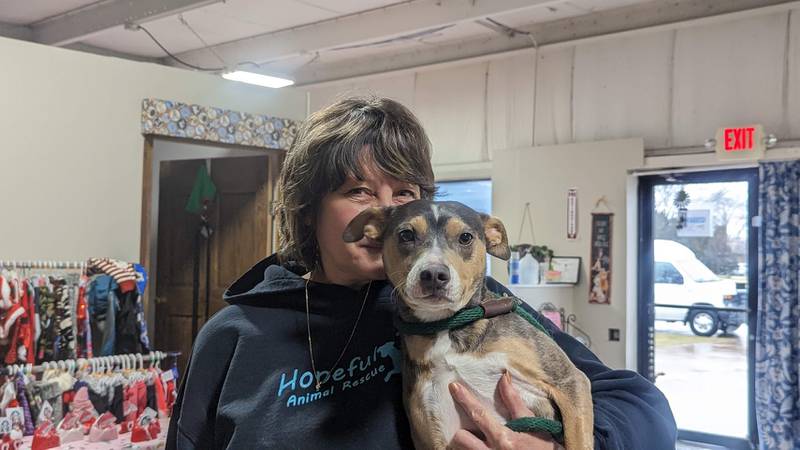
x: 46, y: 437
x: 71, y: 315
x: 115, y: 400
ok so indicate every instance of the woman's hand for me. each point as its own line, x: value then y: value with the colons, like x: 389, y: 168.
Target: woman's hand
x: 498, y: 436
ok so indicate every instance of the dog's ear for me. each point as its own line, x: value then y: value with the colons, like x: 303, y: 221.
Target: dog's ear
x: 496, y: 238
x: 369, y: 223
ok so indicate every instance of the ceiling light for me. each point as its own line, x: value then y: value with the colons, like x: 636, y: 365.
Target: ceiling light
x: 771, y: 141
x: 257, y: 79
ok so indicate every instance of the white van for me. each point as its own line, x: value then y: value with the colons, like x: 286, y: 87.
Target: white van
x: 691, y: 291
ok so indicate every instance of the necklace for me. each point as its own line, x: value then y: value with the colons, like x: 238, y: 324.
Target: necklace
x: 347, y: 344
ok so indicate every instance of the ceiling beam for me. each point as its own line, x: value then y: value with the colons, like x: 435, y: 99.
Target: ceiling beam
x: 86, y: 48
x: 81, y: 23
x: 13, y: 31
x: 367, y: 26
x: 646, y: 17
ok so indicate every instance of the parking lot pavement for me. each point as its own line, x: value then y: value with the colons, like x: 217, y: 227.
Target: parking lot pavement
x: 705, y: 379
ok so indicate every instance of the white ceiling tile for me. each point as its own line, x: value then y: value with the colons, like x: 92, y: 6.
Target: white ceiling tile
x: 132, y: 42
x: 25, y: 12
x: 217, y: 23
x: 349, y: 6
x: 539, y: 15
x: 590, y: 6
x: 467, y: 30
x: 267, y: 15
x: 563, y: 10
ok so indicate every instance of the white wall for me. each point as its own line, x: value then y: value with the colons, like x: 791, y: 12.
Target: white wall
x: 542, y: 175
x: 71, y: 148
x: 672, y: 87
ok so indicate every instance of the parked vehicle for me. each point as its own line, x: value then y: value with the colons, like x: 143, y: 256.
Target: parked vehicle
x: 691, y: 293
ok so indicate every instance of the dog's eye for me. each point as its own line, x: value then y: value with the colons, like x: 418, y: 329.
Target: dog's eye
x: 406, y: 236
x: 465, y: 238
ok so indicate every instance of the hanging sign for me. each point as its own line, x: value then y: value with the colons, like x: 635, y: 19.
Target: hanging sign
x: 745, y: 142
x: 698, y: 224
x: 600, y: 272
x: 572, y: 214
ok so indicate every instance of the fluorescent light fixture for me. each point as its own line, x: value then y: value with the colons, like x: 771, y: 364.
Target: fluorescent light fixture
x: 257, y: 79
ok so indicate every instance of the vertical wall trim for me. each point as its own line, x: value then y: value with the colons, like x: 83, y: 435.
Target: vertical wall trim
x: 785, y: 129
x: 485, y: 143
x: 145, y: 234
x: 671, y: 92
x: 535, y: 91
x: 572, y: 97
x: 414, y: 90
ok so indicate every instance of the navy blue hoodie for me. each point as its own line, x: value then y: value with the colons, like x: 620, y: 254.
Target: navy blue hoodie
x: 249, y: 382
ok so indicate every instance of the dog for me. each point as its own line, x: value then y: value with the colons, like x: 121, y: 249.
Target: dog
x: 434, y: 253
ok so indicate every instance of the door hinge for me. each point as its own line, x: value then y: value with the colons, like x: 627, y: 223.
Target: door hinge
x: 756, y: 221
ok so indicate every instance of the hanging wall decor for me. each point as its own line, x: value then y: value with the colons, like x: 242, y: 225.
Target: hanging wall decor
x: 600, y: 271
x: 183, y: 120
x: 681, y: 202
x: 572, y: 214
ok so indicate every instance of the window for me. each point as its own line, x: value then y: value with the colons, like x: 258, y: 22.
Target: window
x: 698, y: 271
x: 667, y: 273
x: 477, y: 194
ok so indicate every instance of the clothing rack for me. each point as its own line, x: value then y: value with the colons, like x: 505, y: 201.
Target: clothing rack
x: 99, y: 363
x: 65, y: 265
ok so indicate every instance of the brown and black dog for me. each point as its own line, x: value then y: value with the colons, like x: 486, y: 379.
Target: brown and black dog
x: 435, y: 255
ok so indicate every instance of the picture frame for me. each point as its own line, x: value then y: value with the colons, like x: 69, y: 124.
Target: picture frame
x: 600, y: 262
x: 564, y: 270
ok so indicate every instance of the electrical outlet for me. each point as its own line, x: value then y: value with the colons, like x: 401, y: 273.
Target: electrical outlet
x: 613, y: 334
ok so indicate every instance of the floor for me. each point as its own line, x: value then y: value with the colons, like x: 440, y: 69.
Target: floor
x: 704, y: 379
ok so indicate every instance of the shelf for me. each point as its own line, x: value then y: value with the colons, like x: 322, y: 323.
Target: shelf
x: 537, y: 286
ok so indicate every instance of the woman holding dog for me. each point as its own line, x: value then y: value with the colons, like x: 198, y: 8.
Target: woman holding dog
x: 307, y: 356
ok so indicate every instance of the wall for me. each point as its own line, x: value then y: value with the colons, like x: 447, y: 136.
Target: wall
x: 72, y: 146
x: 672, y: 87
x: 542, y: 175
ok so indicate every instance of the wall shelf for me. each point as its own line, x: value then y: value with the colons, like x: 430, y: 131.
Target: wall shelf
x: 540, y: 286
x: 535, y: 295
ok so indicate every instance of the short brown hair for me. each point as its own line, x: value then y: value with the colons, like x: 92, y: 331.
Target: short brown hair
x: 335, y: 143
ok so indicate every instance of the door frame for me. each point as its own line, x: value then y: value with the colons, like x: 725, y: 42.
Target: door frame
x: 645, y: 302
x: 163, y: 148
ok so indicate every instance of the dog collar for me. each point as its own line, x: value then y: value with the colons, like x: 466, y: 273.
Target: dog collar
x: 489, y: 308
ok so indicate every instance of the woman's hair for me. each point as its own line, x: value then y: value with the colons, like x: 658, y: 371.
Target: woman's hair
x: 335, y: 143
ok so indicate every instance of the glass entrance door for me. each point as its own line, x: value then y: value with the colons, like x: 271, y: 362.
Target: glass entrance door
x: 697, y: 298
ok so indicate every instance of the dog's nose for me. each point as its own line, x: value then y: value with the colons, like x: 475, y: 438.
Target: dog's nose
x: 435, y: 276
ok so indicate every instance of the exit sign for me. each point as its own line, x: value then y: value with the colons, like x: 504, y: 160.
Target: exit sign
x: 743, y: 142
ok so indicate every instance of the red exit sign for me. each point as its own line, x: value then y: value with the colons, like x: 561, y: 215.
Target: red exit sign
x: 743, y: 142
x: 738, y: 139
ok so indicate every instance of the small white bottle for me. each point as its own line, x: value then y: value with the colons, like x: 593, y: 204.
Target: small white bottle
x: 514, y: 268
x: 528, y: 270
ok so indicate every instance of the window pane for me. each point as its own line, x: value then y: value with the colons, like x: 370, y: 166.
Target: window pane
x: 477, y: 194
x: 700, y: 354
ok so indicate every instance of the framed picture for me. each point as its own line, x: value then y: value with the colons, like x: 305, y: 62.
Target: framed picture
x: 564, y: 270
x: 600, y: 269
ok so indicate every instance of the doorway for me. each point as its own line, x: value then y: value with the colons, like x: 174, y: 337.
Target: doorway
x: 698, y: 254
x: 183, y: 262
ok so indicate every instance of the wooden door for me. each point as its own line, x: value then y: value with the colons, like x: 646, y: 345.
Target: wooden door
x: 242, y: 236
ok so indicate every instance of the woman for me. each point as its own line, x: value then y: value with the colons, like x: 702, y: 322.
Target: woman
x: 309, y: 358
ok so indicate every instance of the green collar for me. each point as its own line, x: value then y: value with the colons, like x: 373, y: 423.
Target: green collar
x: 489, y: 308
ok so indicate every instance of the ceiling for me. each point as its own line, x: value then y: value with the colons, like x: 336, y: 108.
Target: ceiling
x: 313, y: 41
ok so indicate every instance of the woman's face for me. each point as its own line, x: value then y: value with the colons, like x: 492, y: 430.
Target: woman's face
x: 353, y: 264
